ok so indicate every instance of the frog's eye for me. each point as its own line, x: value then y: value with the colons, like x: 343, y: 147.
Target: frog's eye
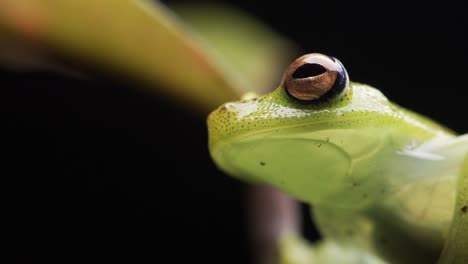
x: 315, y: 76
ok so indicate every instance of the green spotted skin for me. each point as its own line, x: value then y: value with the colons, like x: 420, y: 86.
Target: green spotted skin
x: 365, y: 164
x: 278, y: 111
x: 335, y: 126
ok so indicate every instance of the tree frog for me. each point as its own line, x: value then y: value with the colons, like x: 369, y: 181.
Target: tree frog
x: 381, y: 179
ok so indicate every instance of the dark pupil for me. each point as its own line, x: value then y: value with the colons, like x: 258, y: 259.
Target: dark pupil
x: 309, y: 70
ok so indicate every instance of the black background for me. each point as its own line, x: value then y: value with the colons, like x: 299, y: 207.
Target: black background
x: 83, y: 160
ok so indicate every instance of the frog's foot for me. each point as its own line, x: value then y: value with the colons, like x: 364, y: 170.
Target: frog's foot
x: 295, y: 250
x: 456, y: 245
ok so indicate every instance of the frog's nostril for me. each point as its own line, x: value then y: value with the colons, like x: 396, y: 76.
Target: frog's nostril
x: 309, y: 70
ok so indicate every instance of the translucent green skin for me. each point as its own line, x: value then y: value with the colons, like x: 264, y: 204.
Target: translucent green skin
x: 381, y: 178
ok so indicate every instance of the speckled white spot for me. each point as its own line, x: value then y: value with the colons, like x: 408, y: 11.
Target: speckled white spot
x: 243, y: 109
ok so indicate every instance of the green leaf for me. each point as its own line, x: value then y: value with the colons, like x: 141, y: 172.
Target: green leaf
x: 145, y: 41
x: 246, y: 46
x: 139, y: 39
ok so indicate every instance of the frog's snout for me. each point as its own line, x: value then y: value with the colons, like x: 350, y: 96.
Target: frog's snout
x: 233, y: 118
x: 216, y: 122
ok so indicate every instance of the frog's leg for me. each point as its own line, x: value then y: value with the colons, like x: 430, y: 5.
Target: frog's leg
x: 456, y: 245
x: 295, y: 250
x: 335, y: 225
x: 274, y: 218
x: 339, y: 224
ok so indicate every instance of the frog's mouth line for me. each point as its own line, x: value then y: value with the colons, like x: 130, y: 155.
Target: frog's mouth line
x: 282, y: 129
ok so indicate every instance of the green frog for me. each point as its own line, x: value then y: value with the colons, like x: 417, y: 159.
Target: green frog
x: 382, y: 180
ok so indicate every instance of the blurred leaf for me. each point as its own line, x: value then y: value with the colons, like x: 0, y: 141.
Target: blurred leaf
x: 251, y: 50
x: 145, y: 41
x: 135, y: 38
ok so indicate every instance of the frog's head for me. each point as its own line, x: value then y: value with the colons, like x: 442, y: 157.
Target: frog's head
x: 304, y: 136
